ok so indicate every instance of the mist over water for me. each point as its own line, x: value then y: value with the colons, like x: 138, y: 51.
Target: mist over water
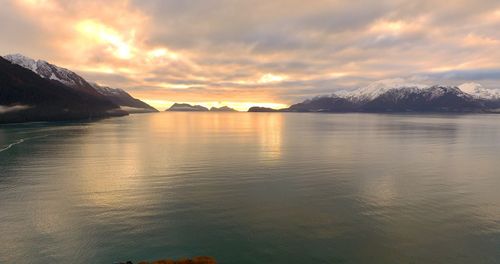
x: 253, y: 188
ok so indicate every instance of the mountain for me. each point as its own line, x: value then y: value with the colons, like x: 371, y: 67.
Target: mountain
x: 124, y: 100
x: 378, y: 88
x: 26, y: 97
x: 75, y: 81
x: 432, y: 99
x: 222, y: 109
x: 186, y: 108
x: 332, y: 103
x: 53, y: 72
x: 396, y: 96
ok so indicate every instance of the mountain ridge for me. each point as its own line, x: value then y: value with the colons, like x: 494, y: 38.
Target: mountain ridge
x: 124, y: 99
x: 397, y: 96
x: 413, y: 98
x: 52, y: 72
x: 67, y: 77
x: 27, y: 97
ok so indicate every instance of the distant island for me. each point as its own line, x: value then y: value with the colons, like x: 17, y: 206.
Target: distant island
x: 381, y: 97
x: 183, y: 107
x: 262, y: 109
x: 222, y: 109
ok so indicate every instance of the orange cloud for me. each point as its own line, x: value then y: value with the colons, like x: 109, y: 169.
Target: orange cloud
x: 279, y: 53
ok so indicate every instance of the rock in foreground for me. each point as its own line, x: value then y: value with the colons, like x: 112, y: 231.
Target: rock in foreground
x: 196, y: 260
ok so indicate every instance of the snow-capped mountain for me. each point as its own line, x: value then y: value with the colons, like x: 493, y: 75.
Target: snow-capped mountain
x: 52, y: 72
x: 432, y: 99
x: 108, y: 90
x: 478, y: 91
x: 26, y: 97
x: 71, y: 79
x: 378, y: 88
x: 397, y: 96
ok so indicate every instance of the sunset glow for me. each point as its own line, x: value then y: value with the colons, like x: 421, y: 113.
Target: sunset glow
x: 108, y: 36
x: 270, y: 78
x: 249, y: 131
x: 164, y: 51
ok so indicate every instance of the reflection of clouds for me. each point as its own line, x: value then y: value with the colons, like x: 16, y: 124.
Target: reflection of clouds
x: 112, y: 168
x: 380, y: 182
x: 108, y: 180
x: 380, y: 191
x: 264, y: 130
x: 431, y: 169
x: 269, y: 128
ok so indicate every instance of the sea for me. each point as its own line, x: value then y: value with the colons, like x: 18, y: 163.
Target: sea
x: 252, y: 188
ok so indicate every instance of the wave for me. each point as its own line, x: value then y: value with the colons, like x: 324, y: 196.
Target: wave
x: 19, y: 142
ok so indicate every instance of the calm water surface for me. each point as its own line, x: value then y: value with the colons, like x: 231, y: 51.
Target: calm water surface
x: 253, y: 188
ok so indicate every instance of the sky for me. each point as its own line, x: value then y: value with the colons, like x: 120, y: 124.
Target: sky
x: 257, y: 52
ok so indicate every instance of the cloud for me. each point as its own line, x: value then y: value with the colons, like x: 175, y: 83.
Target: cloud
x: 12, y: 108
x: 474, y: 75
x: 255, y: 50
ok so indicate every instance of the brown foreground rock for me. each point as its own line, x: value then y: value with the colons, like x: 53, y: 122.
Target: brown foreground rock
x: 196, y: 260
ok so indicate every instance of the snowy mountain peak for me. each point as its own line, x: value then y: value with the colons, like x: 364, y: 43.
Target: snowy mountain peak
x: 108, y: 90
x: 22, y: 60
x: 478, y: 91
x: 123, y: 99
x: 437, y: 91
x: 50, y: 71
x: 378, y: 88
x: 115, y: 97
